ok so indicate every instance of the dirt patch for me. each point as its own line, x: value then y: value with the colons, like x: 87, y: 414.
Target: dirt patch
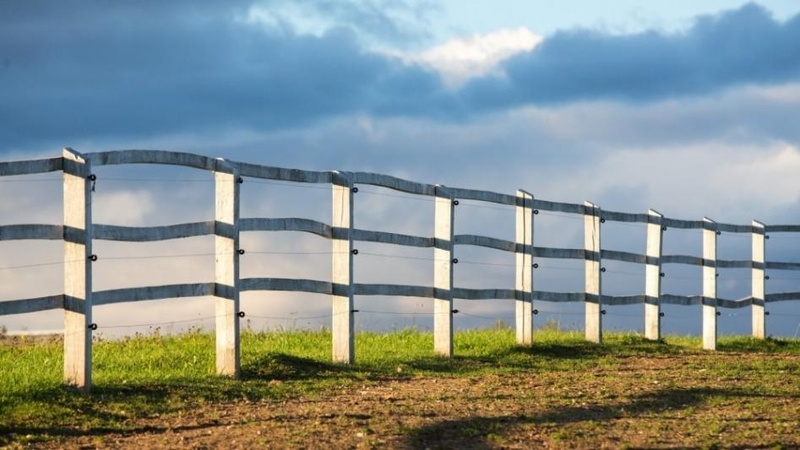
x: 638, y: 402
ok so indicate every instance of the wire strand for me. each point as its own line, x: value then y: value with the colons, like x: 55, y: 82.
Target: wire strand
x: 478, y: 316
x: 399, y: 313
x: 498, y: 208
x: 198, y: 319
x: 52, y: 263
x: 267, y: 252
x: 323, y: 316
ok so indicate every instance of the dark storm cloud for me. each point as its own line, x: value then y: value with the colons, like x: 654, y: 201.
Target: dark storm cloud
x: 98, y: 70
x: 736, y: 47
x: 138, y: 68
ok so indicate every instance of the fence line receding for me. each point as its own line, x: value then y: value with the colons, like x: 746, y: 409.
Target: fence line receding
x: 78, y: 231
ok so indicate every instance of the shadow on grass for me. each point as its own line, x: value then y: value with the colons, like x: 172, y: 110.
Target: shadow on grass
x: 284, y: 367
x: 122, y: 407
x: 97, y: 414
x: 61, y: 411
x: 753, y: 345
x: 485, y: 432
x: 544, y: 355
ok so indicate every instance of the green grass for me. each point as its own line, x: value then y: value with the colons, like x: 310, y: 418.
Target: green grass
x: 152, y: 375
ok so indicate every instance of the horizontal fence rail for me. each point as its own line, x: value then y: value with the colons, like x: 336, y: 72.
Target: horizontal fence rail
x: 78, y: 231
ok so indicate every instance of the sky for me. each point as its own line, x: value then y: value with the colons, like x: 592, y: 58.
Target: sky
x: 686, y: 107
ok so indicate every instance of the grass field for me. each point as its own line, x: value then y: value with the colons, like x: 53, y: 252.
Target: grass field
x: 159, y: 391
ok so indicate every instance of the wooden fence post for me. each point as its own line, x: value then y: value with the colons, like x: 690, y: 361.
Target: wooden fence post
x: 591, y: 239
x: 342, y: 269
x: 443, y: 272
x: 226, y: 250
x: 709, y: 284
x: 757, y: 287
x: 652, y: 306
x: 524, y: 266
x: 78, y: 325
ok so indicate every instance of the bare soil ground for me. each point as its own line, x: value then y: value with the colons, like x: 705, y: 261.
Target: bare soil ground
x: 664, y: 401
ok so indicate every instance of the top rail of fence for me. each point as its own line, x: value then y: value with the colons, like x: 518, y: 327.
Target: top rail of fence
x: 206, y: 163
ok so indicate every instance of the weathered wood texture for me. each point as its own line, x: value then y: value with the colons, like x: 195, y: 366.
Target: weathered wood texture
x: 485, y: 294
x: 287, y: 224
x: 399, y: 290
x: 77, y: 270
x: 281, y: 174
x: 443, y: 272
x: 31, y: 305
x: 524, y: 268
x: 32, y: 231
x: 782, y: 265
x: 226, y: 256
x: 652, y: 289
x: 757, y: 281
x: 117, y: 157
x: 31, y: 167
x: 394, y: 183
x: 342, y: 269
x: 287, y: 284
x: 781, y: 297
x: 392, y: 238
x: 709, y: 271
x: 780, y: 229
x: 402, y: 290
x: 146, y: 293
x: 485, y: 241
x: 593, y: 309
x: 151, y: 234
x: 484, y: 196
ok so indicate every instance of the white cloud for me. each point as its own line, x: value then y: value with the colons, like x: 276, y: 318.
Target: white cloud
x: 460, y: 59
x: 392, y: 23
x: 129, y: 208
x: 286, y: 15
x: 727, y: 183
x: 784, y: 94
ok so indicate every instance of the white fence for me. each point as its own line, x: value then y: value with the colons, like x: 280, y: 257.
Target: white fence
x: 78, y: 231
